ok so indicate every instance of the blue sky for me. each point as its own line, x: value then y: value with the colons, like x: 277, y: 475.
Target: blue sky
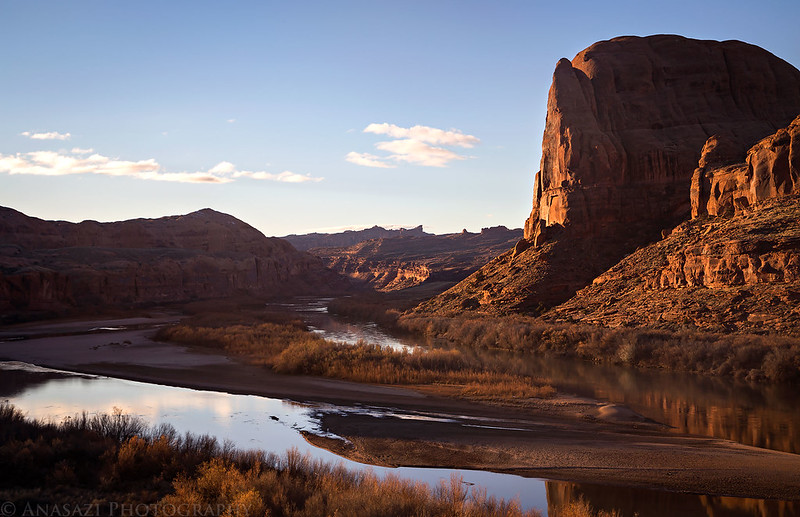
x: 307, y: 116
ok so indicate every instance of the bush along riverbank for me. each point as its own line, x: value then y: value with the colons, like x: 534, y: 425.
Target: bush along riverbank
x: 116, y: 465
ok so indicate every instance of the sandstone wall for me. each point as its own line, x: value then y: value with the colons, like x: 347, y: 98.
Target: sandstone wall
x: 627, y: 119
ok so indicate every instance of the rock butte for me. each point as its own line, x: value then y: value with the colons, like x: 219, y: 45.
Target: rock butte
x: 627, y: 122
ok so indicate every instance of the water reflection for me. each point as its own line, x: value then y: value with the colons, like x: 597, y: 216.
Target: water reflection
x: 314, y: 313
x: 249, y: 422
x: 761, y: 416
x: 653, y: 503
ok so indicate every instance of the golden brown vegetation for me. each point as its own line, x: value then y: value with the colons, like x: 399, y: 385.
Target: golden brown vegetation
x: 581, y: 508
x: 289, y: 349
x: 115, y: 459
x: 762, y: 358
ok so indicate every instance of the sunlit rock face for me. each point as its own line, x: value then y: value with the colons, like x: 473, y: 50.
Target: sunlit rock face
x: 627, y: 120
x: 726, y: 183
x: 55, y: 265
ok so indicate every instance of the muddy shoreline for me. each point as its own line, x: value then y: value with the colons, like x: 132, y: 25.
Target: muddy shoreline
x: 565, y: 438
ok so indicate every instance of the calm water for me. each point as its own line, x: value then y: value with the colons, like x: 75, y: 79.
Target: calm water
x: 250, y: 422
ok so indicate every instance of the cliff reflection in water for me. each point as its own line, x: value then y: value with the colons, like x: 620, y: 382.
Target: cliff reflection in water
x: 652, y: 503
x: 760, y: 415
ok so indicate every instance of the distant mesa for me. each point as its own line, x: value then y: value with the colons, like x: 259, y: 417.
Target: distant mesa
x: 409, y: 258
x: 349, y: 237
x: 633, y: 125
x: 57, y: 266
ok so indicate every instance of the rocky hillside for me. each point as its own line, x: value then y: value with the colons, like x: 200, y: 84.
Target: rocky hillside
x: 410, y: 260
x: 57, y: 265
x: 350, y: 237
x: 627, y: 121
x: 734, y: 267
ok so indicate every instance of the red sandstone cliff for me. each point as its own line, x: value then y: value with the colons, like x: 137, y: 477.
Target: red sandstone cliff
x: 55, y: 265
x: 626, y: 122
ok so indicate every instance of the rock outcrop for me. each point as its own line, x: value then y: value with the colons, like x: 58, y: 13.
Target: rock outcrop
x: 391, y: 264
x: 626, y: 122
x: 724, y: 183
x: 57, y: 265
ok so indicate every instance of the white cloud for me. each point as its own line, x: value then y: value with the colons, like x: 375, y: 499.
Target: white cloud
x: 52, y: 135
x: 367, y: 160
x: 418, y: 153
x: 284, y: 177
x: 231, y: 120
x: 430, y: 135
x: 222, y: 168
x: 418, y: 145
x: 51, y: 163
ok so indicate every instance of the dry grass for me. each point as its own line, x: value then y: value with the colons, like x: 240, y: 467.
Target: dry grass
x: 97, y: 460
x: 289, y: 349
x: 760, y: 358
x: 581, y: 508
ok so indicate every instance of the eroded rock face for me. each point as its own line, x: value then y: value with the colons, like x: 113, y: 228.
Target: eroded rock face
x: 627, y: 119
x: 54, y: 265
x: 726, y: 184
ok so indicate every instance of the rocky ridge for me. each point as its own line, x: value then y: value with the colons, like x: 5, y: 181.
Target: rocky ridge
x: 57, y: 265
x: 627, y: 121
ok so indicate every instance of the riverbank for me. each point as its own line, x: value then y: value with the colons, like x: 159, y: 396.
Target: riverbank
x: 565, y: 438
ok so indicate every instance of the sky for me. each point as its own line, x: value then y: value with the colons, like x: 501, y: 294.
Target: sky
x: 300, y: 116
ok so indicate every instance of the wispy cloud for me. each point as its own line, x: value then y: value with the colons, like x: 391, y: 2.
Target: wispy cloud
x: 52, y: 135
x: 76, y: 161
x: 417, y: 145
x: 283, y: 177
x: 429, y: 135
x: 367, y: 160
